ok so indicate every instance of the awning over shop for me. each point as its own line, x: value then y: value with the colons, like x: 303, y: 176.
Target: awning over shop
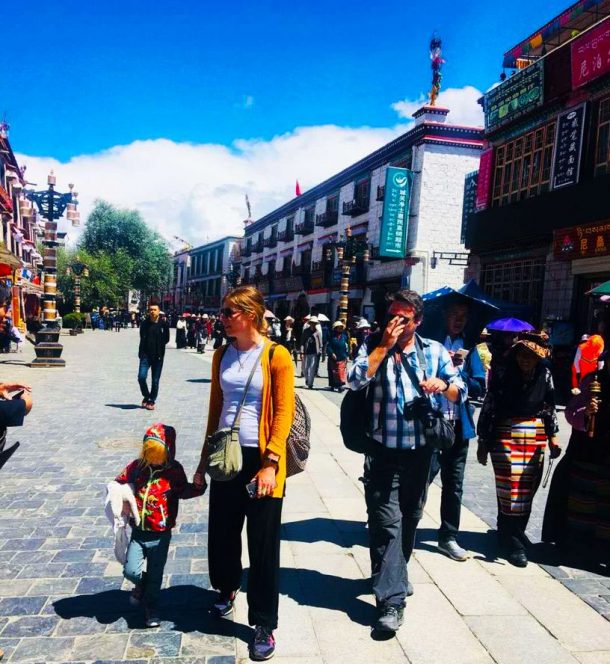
x: 602, y: 289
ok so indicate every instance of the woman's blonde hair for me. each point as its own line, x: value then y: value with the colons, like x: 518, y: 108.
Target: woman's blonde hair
x: 154, y: 452
x: 249, y: 300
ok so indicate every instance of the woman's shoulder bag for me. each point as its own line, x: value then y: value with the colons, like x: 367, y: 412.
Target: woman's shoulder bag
x: 225, y: 459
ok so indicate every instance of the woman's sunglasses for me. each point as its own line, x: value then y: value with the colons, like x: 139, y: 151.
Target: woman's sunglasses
x: 227, y: 312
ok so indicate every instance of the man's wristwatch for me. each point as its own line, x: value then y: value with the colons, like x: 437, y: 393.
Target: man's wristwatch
x: 447, y: 384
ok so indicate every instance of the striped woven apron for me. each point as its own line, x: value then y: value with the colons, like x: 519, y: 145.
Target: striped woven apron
x: 518, y: 458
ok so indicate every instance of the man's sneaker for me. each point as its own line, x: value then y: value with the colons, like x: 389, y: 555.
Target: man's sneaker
x: 262, y: 646
x: 224, y: 604
x: 452, y: 549
x: 151, y: 617
x: 390, y: 618
x: 135, y: 598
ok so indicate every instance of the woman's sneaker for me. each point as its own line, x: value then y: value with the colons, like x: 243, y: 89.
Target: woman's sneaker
x: 224, y: 605
x: 262, y: 646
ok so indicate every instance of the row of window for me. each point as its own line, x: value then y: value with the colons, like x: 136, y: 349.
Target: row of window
x: 206, y: 262
x: 522, y: 167
x: 209, y: 287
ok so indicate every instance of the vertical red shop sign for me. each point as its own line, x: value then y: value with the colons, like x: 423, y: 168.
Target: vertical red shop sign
x: 484, y: 181
x: 591, y: 55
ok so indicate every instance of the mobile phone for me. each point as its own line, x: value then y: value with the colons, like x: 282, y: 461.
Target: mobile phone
x: 252, y: 488
x: 18, y: 395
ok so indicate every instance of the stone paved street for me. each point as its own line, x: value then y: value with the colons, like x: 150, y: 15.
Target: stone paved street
x: 62, y: 597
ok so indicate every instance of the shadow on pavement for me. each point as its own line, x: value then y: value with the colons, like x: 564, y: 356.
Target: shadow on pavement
x: 198, y: 380
x: 6, y: 454
x: 312, y: 588
x: 186, y: 606
x: 124, y: 406
x: 338, y: 531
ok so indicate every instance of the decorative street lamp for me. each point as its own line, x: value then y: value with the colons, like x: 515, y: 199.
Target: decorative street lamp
x: 77, y: 270
x: 348, y: 249
x: 51, y: 206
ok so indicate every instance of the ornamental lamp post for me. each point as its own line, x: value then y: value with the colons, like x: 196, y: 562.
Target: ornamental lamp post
x: 348, y: 249
x: 51, y: 206
x: 77, y: 269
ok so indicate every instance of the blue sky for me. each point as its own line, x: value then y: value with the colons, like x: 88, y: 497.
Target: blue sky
x: 109, y: 73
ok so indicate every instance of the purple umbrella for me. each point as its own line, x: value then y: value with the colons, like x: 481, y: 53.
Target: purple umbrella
x: 509, y: 325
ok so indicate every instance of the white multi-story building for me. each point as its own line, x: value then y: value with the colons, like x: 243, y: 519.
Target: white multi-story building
x: 202, y: 275
x: 289, y: 253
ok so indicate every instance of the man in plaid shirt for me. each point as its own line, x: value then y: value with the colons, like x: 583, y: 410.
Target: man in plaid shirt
x: 396, y: 474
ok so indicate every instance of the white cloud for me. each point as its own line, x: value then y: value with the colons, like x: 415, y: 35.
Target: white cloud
x: 462, y: 101
x: 196, y: 191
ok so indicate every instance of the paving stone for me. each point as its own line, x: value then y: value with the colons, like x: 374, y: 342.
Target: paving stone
x: 91, y: 585
x: 53, y: 587
x: 521, y: 639
x: 21, y: 606
x: 195, y: 645
x: 100, y: 647
x: 14, y: 587
x: 573, y: 623
x: 149, y: 645
x: 30, y: 626
x: 80, y: 625
x: 42, y: 649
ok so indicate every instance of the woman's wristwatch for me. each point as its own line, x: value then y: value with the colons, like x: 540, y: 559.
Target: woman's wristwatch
x: 270, y: 457
x: 447, y: 385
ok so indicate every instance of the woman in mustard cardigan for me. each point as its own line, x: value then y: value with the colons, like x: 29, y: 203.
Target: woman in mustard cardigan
x: 265, y: 422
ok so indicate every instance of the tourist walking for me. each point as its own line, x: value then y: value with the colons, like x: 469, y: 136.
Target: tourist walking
x: 451, y: 463
x: 398, y: 465
x: 338, y: 353
x: 516, y: 421
x: 181, y: 333
x: 154, y: 336
x: 311, y: 349
x: 256, y: 493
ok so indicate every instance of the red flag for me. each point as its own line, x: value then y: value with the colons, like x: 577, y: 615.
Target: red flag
x: 298, y: 189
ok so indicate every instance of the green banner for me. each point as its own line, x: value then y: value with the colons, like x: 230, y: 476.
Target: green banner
x: 515, y: 97
x: 395, y: 219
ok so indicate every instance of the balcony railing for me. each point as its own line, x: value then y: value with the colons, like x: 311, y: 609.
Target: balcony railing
x: 286, y: 235
x: 258, y: 247
x: 356, y: 207
x: 380, y: 192
x: 270, y: 242
x: 304, y: 228
x: 246, y: 252
x: 328, y: 218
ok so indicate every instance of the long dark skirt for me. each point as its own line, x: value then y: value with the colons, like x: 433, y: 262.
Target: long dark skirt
x: 180, y: 338
x: 337, y: 372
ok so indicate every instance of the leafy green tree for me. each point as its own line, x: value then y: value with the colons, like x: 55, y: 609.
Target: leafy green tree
x: 121, y: 242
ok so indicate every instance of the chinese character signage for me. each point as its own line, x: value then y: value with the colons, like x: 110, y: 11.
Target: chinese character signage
x: 395, y: 219
x: 484, y: 179
x: 568, y: 147
x: 469, y: 205
x: 517, y: 96
x: 584, y: 241
x: 591, y: 54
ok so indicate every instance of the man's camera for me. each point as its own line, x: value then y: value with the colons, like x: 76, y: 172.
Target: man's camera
x: 420, y: 409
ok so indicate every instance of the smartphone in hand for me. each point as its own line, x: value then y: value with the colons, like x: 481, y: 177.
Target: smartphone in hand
x: 252, y: 488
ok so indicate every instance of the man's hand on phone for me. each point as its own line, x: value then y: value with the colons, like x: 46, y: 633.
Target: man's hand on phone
x: 392, y: 332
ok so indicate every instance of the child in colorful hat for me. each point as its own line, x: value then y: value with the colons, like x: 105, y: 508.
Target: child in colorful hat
x: 159, y: 482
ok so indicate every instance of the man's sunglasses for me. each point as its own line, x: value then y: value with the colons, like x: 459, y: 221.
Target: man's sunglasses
x: 403, y: 320
x: 227, y: 312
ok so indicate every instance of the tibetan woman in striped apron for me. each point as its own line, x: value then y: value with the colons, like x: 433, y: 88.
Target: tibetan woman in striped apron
x: 517, y: 420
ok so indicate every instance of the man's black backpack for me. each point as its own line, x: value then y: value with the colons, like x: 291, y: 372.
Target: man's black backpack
x: 356, y: 410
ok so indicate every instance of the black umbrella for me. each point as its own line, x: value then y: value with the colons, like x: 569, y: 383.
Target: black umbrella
x: 481, y: 311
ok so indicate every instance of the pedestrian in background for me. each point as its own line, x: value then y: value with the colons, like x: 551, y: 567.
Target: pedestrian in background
x: 516, y: 421
x: 181, y: 333
x: 256, y: 493
x: 154, y: 336
x: 398, y: 465
x: 311, y: 349
x: 451, y: 463
x: 338, y: 353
